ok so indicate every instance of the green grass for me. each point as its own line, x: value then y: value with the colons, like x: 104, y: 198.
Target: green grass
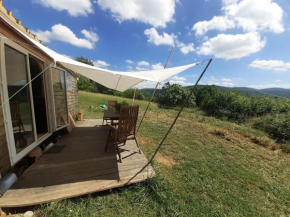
x: 220, y: 170
x: 90, y: 103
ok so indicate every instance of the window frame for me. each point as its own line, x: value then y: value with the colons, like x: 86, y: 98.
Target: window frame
x: 69, y: 85
x: 53, y: 101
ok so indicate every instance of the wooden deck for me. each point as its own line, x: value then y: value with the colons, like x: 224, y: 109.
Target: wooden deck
x: 77, y: 165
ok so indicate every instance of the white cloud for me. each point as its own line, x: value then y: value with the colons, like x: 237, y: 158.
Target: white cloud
x: 146, y: 84
x: 100, y: 63
x: 166, y: 39
x: 73, y: 7
x: 90, y: 35
x: 225, y: 82
x: 180, y: 80
x: 129, y: 67
x: 250, y: 15
x: 154, y: 12
x: 275, y: 65
x: 67, y: 56
x: 269, y: 85
x: 185, y: 49
x: 155, y: 38
x: 129, y: 61
x: 62, y: 33
x: 232, y: 46
x: 219, y: 23
x: 258, y: 15
x: 157, y: 66
x: 141, y: 69
x: 143, y: 63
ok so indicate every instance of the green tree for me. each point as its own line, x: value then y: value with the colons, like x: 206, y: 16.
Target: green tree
x: 84, y: 60
x: 175, y: 95
x: 87, y: 84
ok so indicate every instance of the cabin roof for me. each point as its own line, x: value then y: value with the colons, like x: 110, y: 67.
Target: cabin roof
x: 17, y: 22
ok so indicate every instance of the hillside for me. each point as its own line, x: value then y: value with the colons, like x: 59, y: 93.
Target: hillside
x: 278, y: 91
x: 261, y: 92
x: 207, y: 167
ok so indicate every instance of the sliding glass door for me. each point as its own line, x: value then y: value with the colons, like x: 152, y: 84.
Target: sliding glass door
x: 23, y: 99
x: 19, y: 98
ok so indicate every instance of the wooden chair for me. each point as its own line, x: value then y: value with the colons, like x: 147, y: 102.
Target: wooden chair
x: 125, y: 129
x: 15, y: 115
x: 111, y: 105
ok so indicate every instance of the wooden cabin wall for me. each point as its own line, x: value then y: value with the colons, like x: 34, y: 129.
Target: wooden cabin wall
x: 73, y: 99
x: 7, y: 31
x: 5, y: 164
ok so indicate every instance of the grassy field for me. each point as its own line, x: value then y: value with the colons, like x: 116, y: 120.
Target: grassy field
x: 207, y: 167
x: 90, y: 103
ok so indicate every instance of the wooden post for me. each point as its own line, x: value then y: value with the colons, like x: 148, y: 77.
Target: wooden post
x: 134, y: 96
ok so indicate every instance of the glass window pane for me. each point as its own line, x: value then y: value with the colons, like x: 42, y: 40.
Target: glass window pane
x: 20, y: 106
x: 68, y: 81
x: 60, y: 99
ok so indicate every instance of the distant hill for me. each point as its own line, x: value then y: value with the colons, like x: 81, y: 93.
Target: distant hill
x: 262, y: 92
x: 278, y: 91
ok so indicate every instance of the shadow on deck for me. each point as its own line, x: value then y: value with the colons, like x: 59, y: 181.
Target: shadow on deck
x: 78, y: 165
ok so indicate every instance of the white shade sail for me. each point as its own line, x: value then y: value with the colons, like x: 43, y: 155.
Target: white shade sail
x: 116, y: 80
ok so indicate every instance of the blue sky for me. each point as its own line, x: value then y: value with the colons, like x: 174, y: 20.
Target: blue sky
x: 248, y: 39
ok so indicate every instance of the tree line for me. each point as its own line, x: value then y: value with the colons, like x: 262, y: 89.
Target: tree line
x: 269, y: 114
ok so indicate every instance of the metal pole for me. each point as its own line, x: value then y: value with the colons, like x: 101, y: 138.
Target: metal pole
x: 168, y: 57
x: 176, y: 118
x: 153, y: 94
x: 181, y: 109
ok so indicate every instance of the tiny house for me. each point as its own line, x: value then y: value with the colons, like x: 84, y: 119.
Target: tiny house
x: 36, y: 99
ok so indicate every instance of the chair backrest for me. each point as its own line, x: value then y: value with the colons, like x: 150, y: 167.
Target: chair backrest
x: 14, y: 110
x: 128, y: 120
x: 111, y: 105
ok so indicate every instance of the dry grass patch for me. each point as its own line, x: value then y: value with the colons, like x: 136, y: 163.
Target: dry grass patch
x: 165, y: 160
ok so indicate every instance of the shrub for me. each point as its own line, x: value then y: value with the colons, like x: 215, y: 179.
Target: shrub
x: 276, y: 125
x: 236, y: 105
x: 87, y: 85
x: 120, y: 104
x: 286, y: 147
x: 140, y: 95
x: 175, y: 95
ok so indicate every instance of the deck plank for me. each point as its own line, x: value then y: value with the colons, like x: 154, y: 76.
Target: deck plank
x: 77, y: 165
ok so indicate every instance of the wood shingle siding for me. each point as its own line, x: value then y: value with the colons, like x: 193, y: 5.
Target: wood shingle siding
x: 59, y: 97
x: 73, y: 99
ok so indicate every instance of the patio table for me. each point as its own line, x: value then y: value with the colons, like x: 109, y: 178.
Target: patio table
x: 110, y: 115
